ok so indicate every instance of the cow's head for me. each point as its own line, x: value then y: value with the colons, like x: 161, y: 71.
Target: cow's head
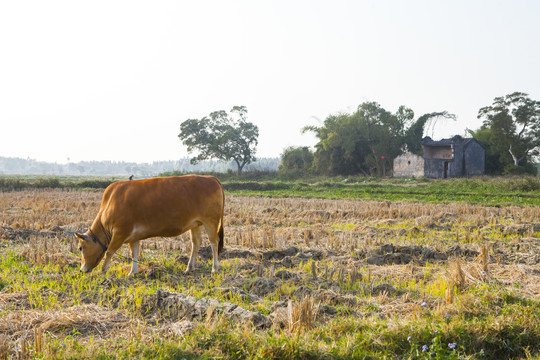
x: 91, y: 251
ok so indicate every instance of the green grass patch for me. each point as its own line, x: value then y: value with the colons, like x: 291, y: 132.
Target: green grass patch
x: 491, y: 191
x: 484, y: 321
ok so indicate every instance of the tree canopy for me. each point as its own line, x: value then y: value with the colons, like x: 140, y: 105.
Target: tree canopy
x: 296, y: 160
x: 221, y: 136
x: 510, y: 132
x: 367, y: 140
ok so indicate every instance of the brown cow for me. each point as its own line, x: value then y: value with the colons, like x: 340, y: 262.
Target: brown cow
x: 139, y: 209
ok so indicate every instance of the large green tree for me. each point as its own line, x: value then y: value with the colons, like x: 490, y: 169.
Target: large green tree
x: 222, y: 136
x: 296, y: 161
x: 415, y: 131
x: 511, y: 131
x: 367, y: 141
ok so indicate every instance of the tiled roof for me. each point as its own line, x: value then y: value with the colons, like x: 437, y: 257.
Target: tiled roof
x: 446, y: 142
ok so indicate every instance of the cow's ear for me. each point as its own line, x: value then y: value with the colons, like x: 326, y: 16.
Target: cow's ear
x: 82, y: 236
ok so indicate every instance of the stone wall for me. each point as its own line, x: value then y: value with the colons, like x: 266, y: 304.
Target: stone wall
x: 474, y: 159
x: 408, y: 165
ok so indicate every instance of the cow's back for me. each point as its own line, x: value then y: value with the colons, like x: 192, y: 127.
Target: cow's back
x: 161, y: 206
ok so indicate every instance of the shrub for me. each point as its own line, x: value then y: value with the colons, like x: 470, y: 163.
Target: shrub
x: 50, y: 183
x: 511, y: 169
x: 296, y: 161
x: 11, y: 184
x: 95, y: 184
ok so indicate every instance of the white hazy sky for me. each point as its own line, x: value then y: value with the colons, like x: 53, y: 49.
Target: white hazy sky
x: 113, y: 80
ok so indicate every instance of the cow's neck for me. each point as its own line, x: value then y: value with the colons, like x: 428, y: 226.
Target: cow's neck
x: 102, y: 235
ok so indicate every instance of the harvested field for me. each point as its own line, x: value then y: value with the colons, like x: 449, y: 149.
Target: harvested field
x: 299, y: 278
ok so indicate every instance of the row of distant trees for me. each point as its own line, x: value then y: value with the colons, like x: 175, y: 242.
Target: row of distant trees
x: 367, y: 140
x: 20, y: 166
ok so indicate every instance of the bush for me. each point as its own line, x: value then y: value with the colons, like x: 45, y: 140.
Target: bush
x: 95, y: 184
x: 256, y: 186
x: 296, y: 161
x: 230, y: 175
x: 527, y: 183
x: 51, y: 183
x: 8, y: 184
x: 511, y: 169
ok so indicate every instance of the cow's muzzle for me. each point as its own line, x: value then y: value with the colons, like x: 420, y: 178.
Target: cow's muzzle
x: 85, y: 269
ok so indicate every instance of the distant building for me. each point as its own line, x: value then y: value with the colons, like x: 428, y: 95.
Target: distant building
x: 409, y: 165
x: 453, y: 157
x: 445, y: 158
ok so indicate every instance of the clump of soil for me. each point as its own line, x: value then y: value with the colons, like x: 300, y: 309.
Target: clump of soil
x: 178, y: 306
x: 389, y: 254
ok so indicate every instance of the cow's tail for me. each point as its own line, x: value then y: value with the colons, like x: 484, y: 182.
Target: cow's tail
x: 220, y: 231
x: 221, y: 235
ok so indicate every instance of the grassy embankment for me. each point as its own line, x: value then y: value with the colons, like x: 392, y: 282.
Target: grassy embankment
x: 493, y: 191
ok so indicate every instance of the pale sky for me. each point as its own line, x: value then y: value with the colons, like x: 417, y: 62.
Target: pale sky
x: 113, y: 80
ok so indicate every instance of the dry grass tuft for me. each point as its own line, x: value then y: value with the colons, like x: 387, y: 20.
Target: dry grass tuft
x: 81, y: 319
x: 211, y: 316
x: 483, y: 258
x: 460, y: 275
x: 85, y: 319
x: 17, y: 300
x: 456, y: 274
x: 298, y: 316
x: 40, y: 256
x: 4, y: 347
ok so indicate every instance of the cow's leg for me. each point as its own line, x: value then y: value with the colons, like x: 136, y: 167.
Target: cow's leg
x: 111, y: 250
x: 134, y: 246
x: 196, y: 240
x: 214, y: 242
x: 108, y: 257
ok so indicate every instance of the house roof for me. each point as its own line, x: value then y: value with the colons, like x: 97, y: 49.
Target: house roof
x: 427, y: 141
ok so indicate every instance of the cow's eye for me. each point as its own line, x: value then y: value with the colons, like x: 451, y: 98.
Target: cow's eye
x: 80, y: 248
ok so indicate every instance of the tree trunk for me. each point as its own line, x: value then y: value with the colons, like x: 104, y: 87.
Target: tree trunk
x: 240, y: 167
x: 514, y: 157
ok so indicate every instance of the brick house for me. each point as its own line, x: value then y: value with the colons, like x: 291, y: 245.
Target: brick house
x: 453, y: 157
x: 444, y: 158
